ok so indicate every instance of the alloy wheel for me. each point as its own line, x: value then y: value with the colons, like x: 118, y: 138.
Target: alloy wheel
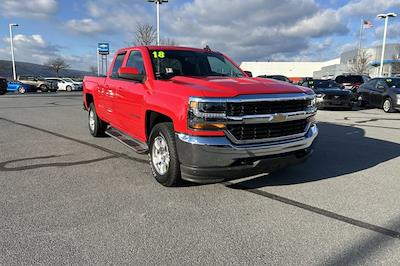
x: 160, y: 155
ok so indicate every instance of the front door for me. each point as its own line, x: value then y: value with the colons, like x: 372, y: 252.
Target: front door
x: 377, y: 94
x: 129, y: 100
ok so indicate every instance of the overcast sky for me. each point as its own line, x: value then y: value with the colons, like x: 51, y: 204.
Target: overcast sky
x: 246, y: 30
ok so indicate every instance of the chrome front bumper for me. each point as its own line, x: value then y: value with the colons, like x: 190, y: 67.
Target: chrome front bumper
x: 210, y: 159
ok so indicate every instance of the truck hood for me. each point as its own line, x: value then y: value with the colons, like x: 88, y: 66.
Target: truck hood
x: 231, y: 87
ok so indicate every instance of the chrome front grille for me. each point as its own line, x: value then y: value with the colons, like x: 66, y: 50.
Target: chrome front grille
x: 246, y: 132
x: 267, y: 119
x: 267, y: 107
x: 336, y: 97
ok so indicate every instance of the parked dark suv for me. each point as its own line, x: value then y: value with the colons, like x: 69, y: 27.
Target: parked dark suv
x: 3, y: 85
x: 381, y: 92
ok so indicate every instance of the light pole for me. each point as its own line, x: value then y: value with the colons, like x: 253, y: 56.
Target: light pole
x: 158, y: 3
x: 386, y: 17
x: 12, y: 49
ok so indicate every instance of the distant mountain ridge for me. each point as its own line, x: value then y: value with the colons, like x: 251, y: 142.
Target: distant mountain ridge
x: 24, y: 68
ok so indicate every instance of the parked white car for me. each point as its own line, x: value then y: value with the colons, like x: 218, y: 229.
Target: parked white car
x: 65, y: 85
x: 76, y: 83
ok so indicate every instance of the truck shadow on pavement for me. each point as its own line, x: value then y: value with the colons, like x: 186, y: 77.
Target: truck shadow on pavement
x: 339, y: 150
x: 4, y: 168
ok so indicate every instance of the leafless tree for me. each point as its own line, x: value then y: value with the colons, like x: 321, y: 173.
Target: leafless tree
x: 57, y: 64
x: 396, y: 64
x: 145, y: 34
x: 360, y: 66
x: 93, y: 69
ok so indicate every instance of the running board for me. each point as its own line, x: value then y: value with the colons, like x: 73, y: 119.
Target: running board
x: 128, y: 141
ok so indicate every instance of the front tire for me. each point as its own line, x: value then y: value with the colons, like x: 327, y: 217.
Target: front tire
x: 97, y: 127
x: 69, y: 88
x: 21, y: 90
x: 163, y: 155
x: 388, y: 105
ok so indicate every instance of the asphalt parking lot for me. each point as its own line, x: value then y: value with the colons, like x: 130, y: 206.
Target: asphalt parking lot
x: 67, y: 198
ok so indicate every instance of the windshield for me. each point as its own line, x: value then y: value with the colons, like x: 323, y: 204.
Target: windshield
x: 170, y: 63
x: 323, y: 84
x: 393, y: 83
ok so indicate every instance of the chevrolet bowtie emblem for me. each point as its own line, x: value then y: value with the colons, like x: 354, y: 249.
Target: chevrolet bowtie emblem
x: 279, y: 118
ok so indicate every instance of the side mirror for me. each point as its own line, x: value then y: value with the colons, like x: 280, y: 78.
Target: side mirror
x: 248, y: 73
x: 130, y: 73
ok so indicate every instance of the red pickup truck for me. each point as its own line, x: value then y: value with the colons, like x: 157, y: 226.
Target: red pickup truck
x: 198, y: 115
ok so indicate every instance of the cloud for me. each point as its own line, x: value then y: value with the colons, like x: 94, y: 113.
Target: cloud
x: 104, y: 17
x: 368, y: 7
x: 28, y: 9
x: 29, y: 48
x: 253, y: 31
x: 393, y: 31
x: 35, y: 49
x: 86, y: 25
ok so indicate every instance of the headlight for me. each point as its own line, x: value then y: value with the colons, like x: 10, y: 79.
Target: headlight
x: 320, y: 95
x: 398, y: 99
x: 207, y: 115
x: 313, y: 103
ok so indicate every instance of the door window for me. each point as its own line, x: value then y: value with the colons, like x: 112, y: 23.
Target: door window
x: 136, y: 60
x: 380, y: 85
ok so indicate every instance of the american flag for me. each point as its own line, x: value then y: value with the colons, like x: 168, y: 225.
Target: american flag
x: 367, y: 24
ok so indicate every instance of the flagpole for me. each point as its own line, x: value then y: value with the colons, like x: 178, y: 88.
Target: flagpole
x: 360, y: 37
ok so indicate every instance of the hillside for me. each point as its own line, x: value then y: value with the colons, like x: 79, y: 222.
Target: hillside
x: 24, y: 68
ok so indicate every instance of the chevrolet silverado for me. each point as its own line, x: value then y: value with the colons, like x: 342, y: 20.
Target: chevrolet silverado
x: 198, y: 115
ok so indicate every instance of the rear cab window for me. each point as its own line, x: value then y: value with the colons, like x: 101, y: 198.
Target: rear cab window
x: 117, y: 64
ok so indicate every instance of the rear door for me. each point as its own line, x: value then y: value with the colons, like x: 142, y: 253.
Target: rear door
x: 129, y: 99
x: 106, y: 91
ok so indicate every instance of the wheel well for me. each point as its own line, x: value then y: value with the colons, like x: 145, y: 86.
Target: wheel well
x: 89, y: 99
x: 387, y: 97
x: 154, y: 118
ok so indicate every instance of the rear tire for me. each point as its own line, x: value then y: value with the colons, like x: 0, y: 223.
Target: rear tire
x: 97, y: 127
x: 163, y: 155
x: 44, y: 88
x: 69, y: 88
x: 388, y: 106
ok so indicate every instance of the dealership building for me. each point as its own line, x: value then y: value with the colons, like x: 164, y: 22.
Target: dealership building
x: 331, y: 68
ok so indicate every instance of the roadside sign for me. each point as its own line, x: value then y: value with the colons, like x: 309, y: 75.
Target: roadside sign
x: 103, y: 48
